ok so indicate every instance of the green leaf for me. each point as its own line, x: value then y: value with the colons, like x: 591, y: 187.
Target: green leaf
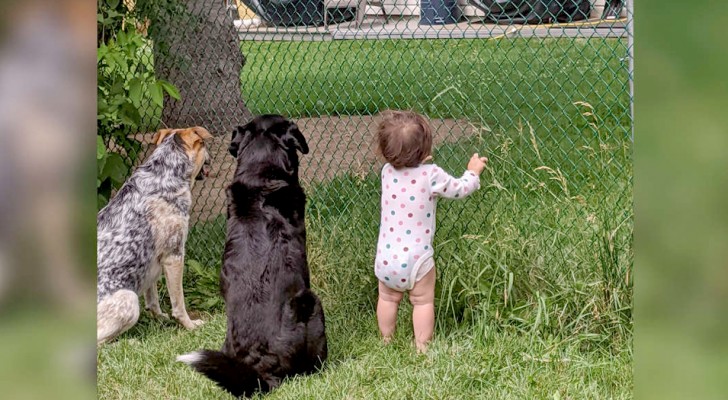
x: 135, y: 91
x: 195, y: 266
x: 100, y: 164
x: 102, y: 106
x: 109, y: 60
x: 170, y: 89
x: 118, y: 60
x: 101, y: 201
x: 115, y: 168
x: 157, y: 95
x: 211, y: 302
x: 113, y: 14
x: 101, y: 52
x: 120, y: 36
x: 117, y: 100
x: 137, y: 39
x: 129, y: 115
x: 100, y: 148
x: 117, y: 89
x: 112, y: 3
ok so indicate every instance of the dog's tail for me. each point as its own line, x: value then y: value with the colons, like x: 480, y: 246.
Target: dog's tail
x: 230, y: 374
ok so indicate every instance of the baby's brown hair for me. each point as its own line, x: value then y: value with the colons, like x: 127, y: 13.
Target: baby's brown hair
x: 404, y: 138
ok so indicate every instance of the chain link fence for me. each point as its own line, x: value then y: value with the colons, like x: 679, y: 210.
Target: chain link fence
x: 540, y: 87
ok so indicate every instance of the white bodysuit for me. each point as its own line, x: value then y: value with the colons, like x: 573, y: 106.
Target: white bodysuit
x: 404, y: 251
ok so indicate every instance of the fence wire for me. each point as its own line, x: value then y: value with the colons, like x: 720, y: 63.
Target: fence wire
x: 540, y: 87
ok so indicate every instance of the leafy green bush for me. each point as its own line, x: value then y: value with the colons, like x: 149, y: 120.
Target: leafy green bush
x: 130, y: 97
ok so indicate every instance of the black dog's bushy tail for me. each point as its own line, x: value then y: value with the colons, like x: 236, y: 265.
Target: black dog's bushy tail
x: 236, y: 377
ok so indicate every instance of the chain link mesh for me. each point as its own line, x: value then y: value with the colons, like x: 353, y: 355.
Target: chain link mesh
x: 540, y: 87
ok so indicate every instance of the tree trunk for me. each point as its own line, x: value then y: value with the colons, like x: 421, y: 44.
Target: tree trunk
x: 200, y: 54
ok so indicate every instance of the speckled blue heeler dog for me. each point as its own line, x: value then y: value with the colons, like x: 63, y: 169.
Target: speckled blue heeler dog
x: 275, y: 323
x: 143, y: 231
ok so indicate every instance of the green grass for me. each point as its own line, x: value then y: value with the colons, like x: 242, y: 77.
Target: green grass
x: 495, y: 81
x: 529, y: 304
x: 534, y: 292
x: 480, y: 363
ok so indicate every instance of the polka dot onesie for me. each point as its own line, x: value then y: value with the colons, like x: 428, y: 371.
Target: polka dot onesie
x: 404, y: 251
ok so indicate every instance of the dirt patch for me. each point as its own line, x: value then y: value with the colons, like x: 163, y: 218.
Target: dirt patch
x: 338, y: 145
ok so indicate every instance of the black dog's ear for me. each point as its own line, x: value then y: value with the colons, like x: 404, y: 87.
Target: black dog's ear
x: 294, y: 137
x: 238, y: 134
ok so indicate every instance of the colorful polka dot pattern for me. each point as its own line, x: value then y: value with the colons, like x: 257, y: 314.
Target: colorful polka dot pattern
x: 408, y: 224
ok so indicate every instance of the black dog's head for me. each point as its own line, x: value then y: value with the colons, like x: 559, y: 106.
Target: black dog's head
x: 269, y: 142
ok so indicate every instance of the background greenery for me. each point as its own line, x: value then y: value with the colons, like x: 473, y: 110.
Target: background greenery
x: 129, y: 96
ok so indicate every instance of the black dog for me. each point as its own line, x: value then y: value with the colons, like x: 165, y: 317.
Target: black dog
x: 275, y: 323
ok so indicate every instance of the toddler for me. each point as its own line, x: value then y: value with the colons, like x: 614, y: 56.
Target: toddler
x: 410, y: 188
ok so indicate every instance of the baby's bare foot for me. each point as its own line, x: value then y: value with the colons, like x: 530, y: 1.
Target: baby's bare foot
x: 386, y: 339
x: 421, y: 348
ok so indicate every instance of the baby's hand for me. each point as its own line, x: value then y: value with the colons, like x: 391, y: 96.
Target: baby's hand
x: 477, y: 164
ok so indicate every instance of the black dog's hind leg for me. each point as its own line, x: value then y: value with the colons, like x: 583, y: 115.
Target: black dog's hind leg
x: 302, y: 333
x: 317, y: 349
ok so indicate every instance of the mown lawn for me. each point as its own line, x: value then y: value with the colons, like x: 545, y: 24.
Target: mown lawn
x: 478, y: 363
x: 534, y: 293
x: 498, y: 82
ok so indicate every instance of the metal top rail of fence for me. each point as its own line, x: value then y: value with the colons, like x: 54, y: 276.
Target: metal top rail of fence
x: 438, y: 19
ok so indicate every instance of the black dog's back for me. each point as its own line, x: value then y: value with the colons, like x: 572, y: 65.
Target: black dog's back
x: 276, y: 323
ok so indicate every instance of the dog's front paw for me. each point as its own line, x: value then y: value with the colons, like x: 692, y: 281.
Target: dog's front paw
x: 191, y: 324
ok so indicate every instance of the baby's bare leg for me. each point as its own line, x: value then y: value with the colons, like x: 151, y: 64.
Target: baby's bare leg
x: 387, y: 311
x: 422, y: 297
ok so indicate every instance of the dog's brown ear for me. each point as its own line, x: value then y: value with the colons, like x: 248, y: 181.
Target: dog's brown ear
x: 203, y: 133
x: 160, y: 135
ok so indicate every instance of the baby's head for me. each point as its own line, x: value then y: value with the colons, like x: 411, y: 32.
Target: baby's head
x: 405, y: 138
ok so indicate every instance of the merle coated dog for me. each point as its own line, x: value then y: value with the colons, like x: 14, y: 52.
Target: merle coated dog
x: 275, y: 323
x: 143, y: 231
